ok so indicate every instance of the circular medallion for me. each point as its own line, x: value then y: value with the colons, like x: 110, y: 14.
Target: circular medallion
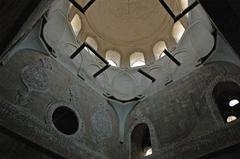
x: 35, y: 78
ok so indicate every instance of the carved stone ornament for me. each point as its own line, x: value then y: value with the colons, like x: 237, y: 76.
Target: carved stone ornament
x: 35, y: 78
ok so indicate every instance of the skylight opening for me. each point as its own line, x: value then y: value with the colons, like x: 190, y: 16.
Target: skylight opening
x: 89, y: 51
x: 158, y: 49
x: 137, y: 59
x: 76, y: 24
x: 178, y: 31
x: 184, y: 4
x: 138, y: 63
x: 162, y: 55
x: 148, y: 152
x: 233, y: 102
x: 231, y: 118
x: 112, y: 63
x: 113, y: 57
x: 92, y: 42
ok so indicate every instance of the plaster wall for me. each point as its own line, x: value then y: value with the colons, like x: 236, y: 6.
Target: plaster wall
x: 183, y: 118
x: 35, y: 85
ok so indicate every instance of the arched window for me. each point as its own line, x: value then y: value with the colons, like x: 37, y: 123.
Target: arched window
x: 76, y: 24
x: 113, y: 57
x: 140, y: 142
x: 92, y: 42
x: 178, y: 31
x: 233, y: 102
x: 184, y: 4
x: 137, y: 59
x: 227, y: 97
x: 158, y: 49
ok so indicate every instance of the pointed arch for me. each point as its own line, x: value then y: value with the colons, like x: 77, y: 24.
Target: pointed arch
x: 141, y: 145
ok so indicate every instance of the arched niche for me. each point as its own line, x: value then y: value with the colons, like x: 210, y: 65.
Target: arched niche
x: 92, y: 42
x: 158, y: 49
x: 76, y: 24
x: 141, y: 145
x: 137, y: 59
x: 113, y: 57
x: 178, y: 30
x: 184, y: 4
x: 227, y: 97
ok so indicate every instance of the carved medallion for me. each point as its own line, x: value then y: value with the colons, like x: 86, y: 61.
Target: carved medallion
x: 35, y: 78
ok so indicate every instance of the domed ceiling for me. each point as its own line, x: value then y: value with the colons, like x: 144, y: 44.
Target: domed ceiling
x: 128, y: 26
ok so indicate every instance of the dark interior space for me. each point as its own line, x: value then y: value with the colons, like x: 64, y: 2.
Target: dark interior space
x: 140, y: 141
x: 65, y: 120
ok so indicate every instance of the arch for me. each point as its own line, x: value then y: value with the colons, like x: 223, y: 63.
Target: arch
x: 113, y: 57
x: 93, y: 43
x: 227, y: 96
x: 178, y: 31
x: 137, y: 59
x: 158, y: 49
x: 184, y: 4
x: 76, y: 24
x: 140, y: 142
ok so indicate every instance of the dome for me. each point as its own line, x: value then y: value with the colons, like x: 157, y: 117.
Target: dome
x: 131, y: 26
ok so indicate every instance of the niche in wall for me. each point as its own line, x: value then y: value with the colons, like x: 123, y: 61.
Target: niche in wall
x: 227, y: 97
x: 140, y: 142
x: 65, y: 120
x: 76, y: 24
x: 137, y: 59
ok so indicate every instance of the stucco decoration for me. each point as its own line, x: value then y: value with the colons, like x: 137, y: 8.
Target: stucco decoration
x: 187, y: 64
x: 196, y: 34
x: 163, y: 77
x: 54, y: 36
x: 102, y: 125
x: 31, y: 128
x: 92, y: 69
x: 69, y: 49
x: 124, y: 86
x: 35, y: 78
x: 75, y: 91
x: 46, y: 63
